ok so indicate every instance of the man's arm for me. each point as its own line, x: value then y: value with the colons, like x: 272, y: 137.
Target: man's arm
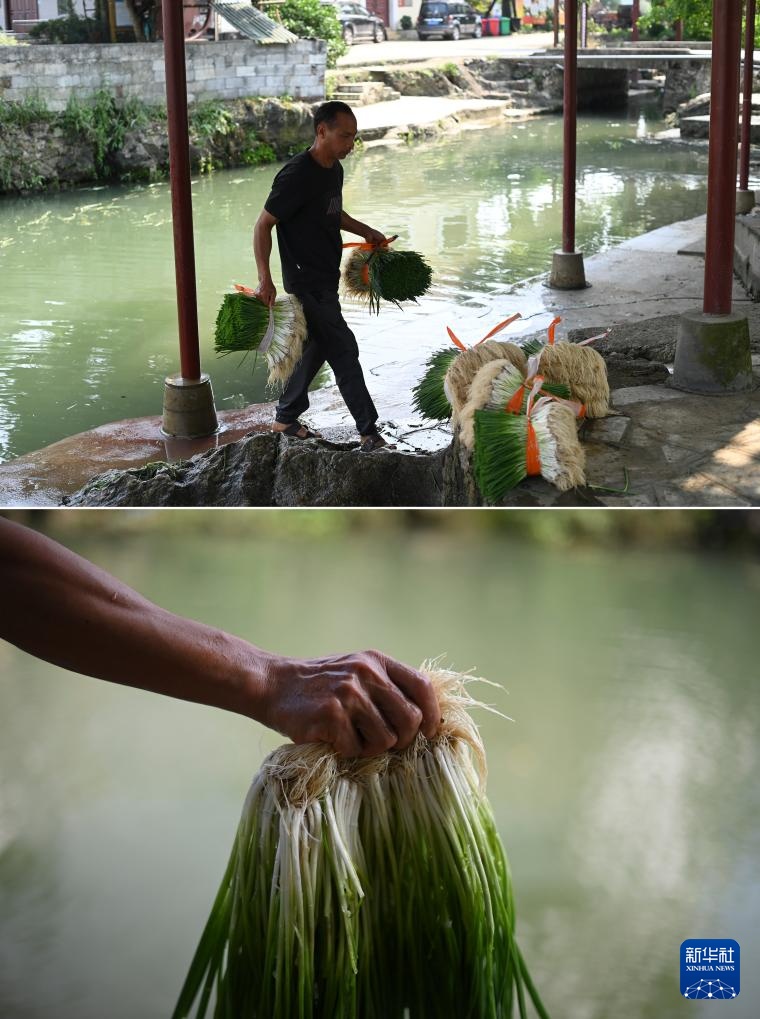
x: 370, y: 235
x: 262, y: 251
x: 60, y: 607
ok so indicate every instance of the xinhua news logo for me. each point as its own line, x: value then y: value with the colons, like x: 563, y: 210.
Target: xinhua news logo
x: 710, y: 969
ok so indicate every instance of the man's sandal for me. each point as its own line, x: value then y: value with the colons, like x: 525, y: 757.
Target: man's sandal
x: 371, y: 443
x: 294, y: 431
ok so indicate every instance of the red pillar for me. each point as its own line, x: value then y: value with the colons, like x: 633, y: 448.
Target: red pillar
x: 635, y: 11
x: 721, y: 171
x: 570, y: 110
x: 749, y: 52
x: 179, y: 177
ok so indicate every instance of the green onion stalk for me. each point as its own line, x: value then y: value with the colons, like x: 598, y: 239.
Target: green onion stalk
x: 386, y: 275
x: 367, y: 889
x: 245, y: 323
x: 429, y: 396
x: 510, y: 379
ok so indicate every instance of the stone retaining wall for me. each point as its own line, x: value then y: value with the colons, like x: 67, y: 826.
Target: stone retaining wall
x: 231, y: 69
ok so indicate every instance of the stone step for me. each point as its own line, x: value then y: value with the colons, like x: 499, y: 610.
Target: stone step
x: 497, y: 84
x: 521, y: 84
x: 354, y: 86
x: 699, y: 127
x: 364, y: 93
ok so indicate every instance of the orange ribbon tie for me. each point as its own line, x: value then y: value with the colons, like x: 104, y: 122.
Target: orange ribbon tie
x: 532, y: 455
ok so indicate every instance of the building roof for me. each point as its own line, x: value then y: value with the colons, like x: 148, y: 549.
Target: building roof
x: 250, y: 21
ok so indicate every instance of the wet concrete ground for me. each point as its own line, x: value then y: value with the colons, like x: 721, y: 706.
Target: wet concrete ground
x: 678, y: 449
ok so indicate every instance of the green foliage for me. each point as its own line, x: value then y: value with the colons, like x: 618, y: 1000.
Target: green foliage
x: 7, y: 40
x: 30, y: 110
x: 104, y: 122
x: 406, y: 24
x: 259, y: 155
x: 29, y: 179
x: 71, y: 29
x: 209, y: 119
x: 696, y: 15
x: 310, y: 19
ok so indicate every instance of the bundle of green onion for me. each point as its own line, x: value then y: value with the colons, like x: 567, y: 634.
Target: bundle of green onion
x: 245, y: 323
x: 575, y: 365
x: 366, y: 889
x: 499, y: 385
x: 512, y: 447
x: 429, y: 396
x: 385, y: 274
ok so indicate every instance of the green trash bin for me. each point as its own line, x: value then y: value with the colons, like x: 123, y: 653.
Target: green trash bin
x: 505, y: 25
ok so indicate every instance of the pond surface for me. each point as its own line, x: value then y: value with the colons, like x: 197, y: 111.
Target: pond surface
x: 625, y: 789
x: 88, y: 321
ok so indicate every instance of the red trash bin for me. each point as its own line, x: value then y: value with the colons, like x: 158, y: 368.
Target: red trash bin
x: 490, y: 26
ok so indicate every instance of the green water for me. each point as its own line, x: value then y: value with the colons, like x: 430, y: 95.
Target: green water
x: 625, y: 790
x: 87, y: 301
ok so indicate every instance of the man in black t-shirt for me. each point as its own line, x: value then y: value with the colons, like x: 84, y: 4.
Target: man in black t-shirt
x: 306, y: 206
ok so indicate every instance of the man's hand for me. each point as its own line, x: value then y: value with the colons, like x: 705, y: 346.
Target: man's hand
x: 373, y: 236
x: 266, y: 291
x: 361, y: 704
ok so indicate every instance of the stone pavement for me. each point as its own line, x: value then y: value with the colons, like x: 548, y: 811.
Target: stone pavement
x: 403, y: 51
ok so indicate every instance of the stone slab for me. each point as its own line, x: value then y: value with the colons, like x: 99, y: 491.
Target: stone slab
x: 614, y: 431
x: 644, y: 394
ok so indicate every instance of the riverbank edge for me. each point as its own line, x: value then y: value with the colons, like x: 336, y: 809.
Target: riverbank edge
x: 102, y: 141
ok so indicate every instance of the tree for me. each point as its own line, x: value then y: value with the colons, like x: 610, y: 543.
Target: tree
x: 695, y: 14
x: 311, y: 19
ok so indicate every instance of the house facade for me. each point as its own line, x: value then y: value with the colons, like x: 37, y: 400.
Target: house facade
x: 20, y: 15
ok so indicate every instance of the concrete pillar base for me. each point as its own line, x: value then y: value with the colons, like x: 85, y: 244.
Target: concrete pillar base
x: 712, y: 354
x: 745, y: 202
x: 189, y: 411
x: 567, y: 271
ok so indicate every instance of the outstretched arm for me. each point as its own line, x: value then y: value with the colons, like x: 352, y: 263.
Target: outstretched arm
x: 60, y: 607
x: 354, y: 226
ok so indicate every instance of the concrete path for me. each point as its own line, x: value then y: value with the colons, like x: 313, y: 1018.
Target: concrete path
x: 401, y: 51
x: 418, y: 111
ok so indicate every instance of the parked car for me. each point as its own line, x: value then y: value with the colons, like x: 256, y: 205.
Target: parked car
x: 448, y: 20
x: 359, y: 24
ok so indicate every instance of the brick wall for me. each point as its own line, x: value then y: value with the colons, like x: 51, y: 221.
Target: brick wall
x: 230, y: 69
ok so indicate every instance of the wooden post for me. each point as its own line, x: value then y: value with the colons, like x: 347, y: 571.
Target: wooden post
x: 179, y: 177
x: 570, y: 111
x: 112, y: 19
x: 556, y: 24
x: 635, y: 12
x: 721, y: 170
x: 749, y: 53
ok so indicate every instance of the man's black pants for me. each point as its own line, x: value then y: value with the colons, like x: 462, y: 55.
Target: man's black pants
x: 329, y: 339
